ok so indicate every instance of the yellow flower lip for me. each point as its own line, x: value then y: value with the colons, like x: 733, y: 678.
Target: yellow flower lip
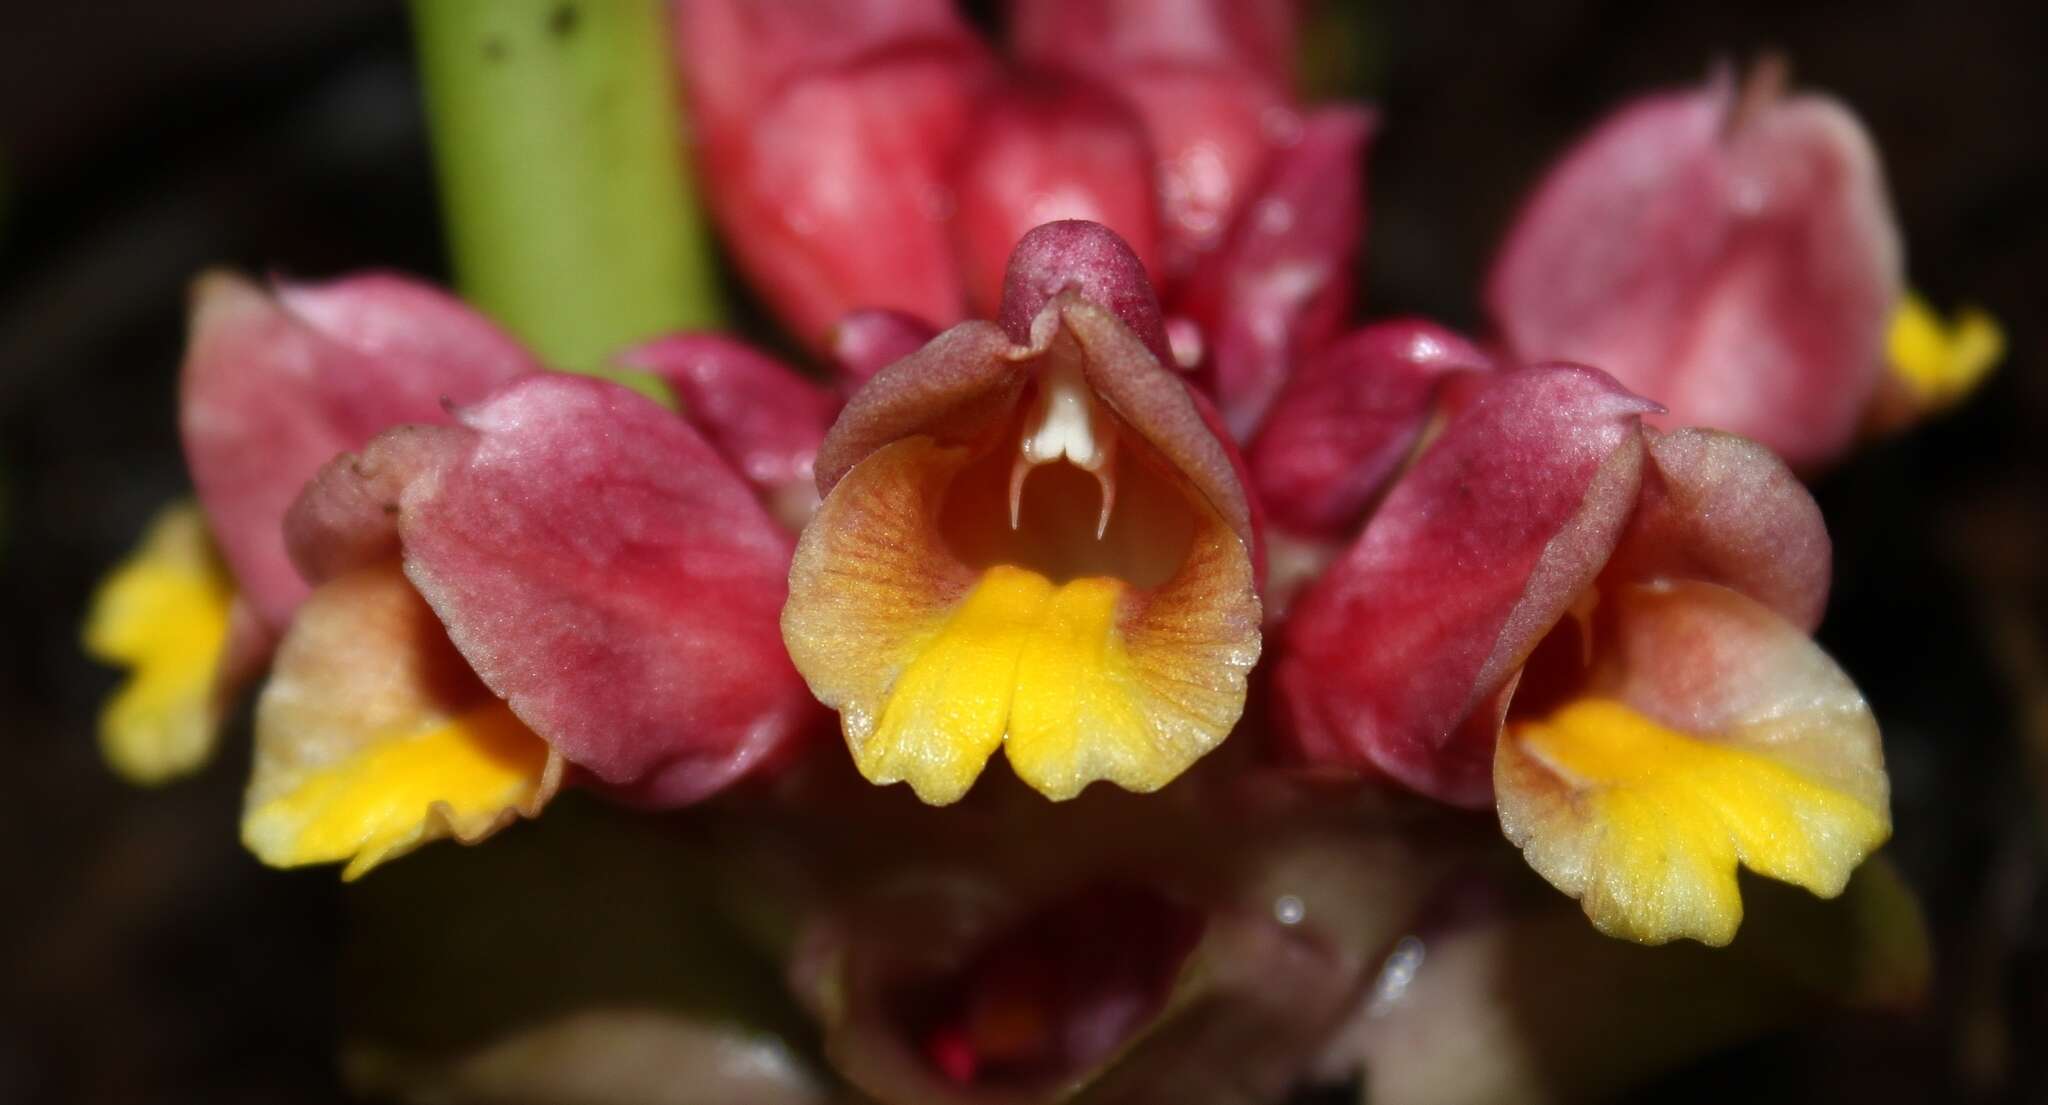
x: 373, y: 737
x: 165, y: 614
x: 1640, y: 794
x: 1027, y: 564
x: 1941, y: 362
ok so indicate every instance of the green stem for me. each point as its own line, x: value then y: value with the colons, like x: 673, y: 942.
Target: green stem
x: 556, y: 133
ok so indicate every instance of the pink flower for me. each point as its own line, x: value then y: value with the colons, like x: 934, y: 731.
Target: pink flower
x: 507, y: 579
x: 1731, y: 252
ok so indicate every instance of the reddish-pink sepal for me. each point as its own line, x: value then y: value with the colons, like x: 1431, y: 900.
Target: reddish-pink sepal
x: 275, y: 385
x: 828, y: 129
x: 1047, y: 147
x: 1473, y: 556
x: 763, y: 418
x: 867, y: 341
x: 1732, y: 256
x: 1346, y: 420
x: 1211, y: 80
x: 600, y: 567
x: 1280, y: 286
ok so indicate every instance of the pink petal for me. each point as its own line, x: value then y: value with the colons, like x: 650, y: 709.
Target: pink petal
x: 1718, y: 509
x: 273, y: 387
x: 1043, y: 149
x: 1346, y: 420
x: 828, y: 128
x: 1211, y: 80
x: 865, y: 342
x: 1732, y: 258
x: 1476, y: 552
x: 763, y: 418
x: 1280, y: 286
x: 603, y: 571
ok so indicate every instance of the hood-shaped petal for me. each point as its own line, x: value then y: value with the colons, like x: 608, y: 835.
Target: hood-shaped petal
x: 1710, y: 732
x: 1732, y: 256
x: 600, y: 568
x: 1091, y: 261
x: 275, y: 386
x: 1045, y: 147
x: 1210, y: 78
x: 1347, y: 418
x: 828, y: 130
x: 1475, y: 554
x: 1720, y: 509
x: 763, y: 418
x: 1279, y: 287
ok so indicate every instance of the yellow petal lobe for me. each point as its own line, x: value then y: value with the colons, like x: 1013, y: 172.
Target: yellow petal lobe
x: 401, y: 790
x: 373, y: 737
x: 1646, y: 824
x: 163, y: 614
x: 1938, y: 362
x: 936, y: 657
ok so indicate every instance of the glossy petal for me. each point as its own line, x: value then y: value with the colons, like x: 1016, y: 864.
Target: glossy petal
x: 866, y: 342
x: 1280, y: 285
x: 601, y: 569
x: 1346, y: 420
x: 763, y: 418
x: 1475, y: 554
x: 1210, y: 80
x: 1733, y: 258
x: 273, y: 387
x: 1712, y: 733
x: 372, y: 736
x: 828, y: 131
x: 165, y: 615
x: 1046, y: 148
x: 1718, y: 509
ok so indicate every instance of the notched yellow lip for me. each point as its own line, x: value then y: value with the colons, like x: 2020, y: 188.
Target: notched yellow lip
x: 942, y: 634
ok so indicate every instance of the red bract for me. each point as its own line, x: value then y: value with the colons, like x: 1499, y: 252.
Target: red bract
x: 1172, y: 124
x: 1728, y: 253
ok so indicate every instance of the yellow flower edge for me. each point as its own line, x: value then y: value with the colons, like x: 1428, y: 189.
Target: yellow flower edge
x: 935, y: 665
x: 1941, y: 362
x: 1647, y: 825
x: 463, y: 777
x: 163, y: 614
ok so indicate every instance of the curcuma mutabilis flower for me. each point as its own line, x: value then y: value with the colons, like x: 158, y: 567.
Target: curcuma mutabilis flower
x: 1102, y: 493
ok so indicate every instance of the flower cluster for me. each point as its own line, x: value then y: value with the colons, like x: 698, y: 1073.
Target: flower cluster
x: 1101, y: 484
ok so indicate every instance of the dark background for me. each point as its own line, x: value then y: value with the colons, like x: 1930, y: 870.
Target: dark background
x: 144, y: 957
